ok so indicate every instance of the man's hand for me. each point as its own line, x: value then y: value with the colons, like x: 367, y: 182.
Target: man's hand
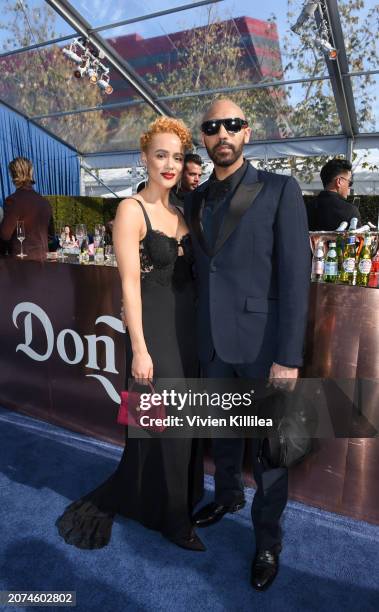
x: 283, y: 377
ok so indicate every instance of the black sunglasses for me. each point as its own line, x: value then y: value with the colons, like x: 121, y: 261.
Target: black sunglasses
x: 212, y: 127
x: 351, y: 182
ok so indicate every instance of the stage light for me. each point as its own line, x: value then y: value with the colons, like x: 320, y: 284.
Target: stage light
x: 103, y: 83
x: 307, y: 12
x: 71, y: 55
x: 80, y: 72
x: 92, y: 75
x: 87, y: 55
x: 326, y: 48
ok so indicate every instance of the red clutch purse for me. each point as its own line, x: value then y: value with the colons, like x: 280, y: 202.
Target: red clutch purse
x: 130, y: 410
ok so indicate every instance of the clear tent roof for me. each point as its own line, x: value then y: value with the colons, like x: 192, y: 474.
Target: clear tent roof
x: 174, y: 56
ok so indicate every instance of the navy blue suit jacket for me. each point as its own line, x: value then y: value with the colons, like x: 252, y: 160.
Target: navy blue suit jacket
x: 253, y: 286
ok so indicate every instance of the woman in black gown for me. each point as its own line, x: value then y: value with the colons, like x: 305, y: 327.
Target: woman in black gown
x: 158, y: 481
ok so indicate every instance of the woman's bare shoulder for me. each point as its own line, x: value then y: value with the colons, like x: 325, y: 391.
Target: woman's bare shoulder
x: 130, y: 207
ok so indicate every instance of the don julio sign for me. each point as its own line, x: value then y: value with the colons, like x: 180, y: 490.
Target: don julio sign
x: 70, y: 346
x: 62, y: 348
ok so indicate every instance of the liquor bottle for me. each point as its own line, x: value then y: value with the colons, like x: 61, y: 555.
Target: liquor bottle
x: 340, y: 250
x: 373, y: 280
x: 353, y: 224
x: 342, y: 226
x: 363, y: 229
x: 331, y: 264
x: 318, y: 263
x: 348, y: 271
x: 364, y: 263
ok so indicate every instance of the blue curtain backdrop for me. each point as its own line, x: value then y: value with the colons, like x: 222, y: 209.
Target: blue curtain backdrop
x: 56, y: 166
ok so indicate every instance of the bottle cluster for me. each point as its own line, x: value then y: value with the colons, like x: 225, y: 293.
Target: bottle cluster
x: 348, y: 261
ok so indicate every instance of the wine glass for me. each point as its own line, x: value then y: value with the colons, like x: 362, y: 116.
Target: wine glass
x: 81, y: 233
x: 21, y: 236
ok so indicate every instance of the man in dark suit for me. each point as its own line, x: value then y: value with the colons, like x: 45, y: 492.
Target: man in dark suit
x: 26, y: 205
x: 331, y: 207
x: 250, y: 238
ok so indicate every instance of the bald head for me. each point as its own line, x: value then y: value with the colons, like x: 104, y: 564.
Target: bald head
x: 224, y: 132
x: 223, y: 107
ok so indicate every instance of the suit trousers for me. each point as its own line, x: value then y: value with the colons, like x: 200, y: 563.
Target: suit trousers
x: 272, y: 484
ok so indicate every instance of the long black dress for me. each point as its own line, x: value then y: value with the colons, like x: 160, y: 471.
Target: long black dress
x: 158, y: 481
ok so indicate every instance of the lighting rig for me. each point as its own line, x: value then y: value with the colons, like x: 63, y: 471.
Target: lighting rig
x: 323, y: 38
x: 88, y: 61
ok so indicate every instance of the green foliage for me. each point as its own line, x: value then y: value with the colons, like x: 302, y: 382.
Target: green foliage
x: 72, y: 210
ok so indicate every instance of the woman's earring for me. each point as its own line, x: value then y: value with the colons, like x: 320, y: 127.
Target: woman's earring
x: 179, y: 185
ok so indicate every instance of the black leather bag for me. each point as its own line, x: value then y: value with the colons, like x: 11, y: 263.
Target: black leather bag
x: 295, y: 421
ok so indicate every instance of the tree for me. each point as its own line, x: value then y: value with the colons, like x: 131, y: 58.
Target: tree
x: 41, y: 81
x: 315, y: 112
x: 215, y: 56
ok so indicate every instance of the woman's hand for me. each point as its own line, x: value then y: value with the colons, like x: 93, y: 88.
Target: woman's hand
x: 142, y: 368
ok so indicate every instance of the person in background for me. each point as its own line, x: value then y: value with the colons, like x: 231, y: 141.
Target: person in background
x: 330, y: 208
x: 70, y: 239
x: 190, y: 179
x: 25, y: 204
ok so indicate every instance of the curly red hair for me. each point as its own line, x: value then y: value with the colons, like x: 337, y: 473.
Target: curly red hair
x: 167, y: 125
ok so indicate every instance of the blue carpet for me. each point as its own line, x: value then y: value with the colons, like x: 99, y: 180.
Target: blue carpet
x: 328, y: 563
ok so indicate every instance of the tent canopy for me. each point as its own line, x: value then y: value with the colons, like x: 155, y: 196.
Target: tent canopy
x: 173, y: 57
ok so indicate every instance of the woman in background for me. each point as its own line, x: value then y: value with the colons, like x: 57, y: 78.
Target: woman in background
x: 158, y: 481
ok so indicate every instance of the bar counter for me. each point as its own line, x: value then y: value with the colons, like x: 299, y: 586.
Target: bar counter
x: 62, y: 360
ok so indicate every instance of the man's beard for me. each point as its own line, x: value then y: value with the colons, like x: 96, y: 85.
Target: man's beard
x: 220, y: 160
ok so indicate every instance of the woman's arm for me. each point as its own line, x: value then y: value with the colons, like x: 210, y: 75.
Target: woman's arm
x: 128, y: 229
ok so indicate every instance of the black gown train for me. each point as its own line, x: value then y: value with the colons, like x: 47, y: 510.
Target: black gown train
x: 158, y: 481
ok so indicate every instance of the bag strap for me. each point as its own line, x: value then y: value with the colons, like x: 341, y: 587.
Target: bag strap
x: 149, y: 384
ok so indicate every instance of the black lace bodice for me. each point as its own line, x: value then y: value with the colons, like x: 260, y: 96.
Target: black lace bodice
x: 164, y: 259
x: 160, y: 259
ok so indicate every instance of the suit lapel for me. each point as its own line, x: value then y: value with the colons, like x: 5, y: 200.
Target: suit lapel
x: 242, y: 199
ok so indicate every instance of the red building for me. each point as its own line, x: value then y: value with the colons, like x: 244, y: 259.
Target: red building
x: 153, y: 58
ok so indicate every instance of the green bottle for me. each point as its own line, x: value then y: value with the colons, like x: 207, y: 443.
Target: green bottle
x: 340, y: 249
x: 331, y: 264
x: 348, y: 271
x: 364, y: 263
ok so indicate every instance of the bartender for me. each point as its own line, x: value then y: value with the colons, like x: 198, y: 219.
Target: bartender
x: 330, y: 207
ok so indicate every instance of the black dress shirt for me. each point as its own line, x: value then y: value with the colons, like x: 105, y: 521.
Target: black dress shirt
x: 217, y: 199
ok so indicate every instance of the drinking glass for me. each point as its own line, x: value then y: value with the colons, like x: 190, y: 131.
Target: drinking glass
x: 21, y: 236
x: 81, y: 233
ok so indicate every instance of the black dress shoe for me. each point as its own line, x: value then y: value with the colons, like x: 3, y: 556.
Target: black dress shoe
x: 264, y: 568
x: 190, y: 541
x: 212, y: 513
